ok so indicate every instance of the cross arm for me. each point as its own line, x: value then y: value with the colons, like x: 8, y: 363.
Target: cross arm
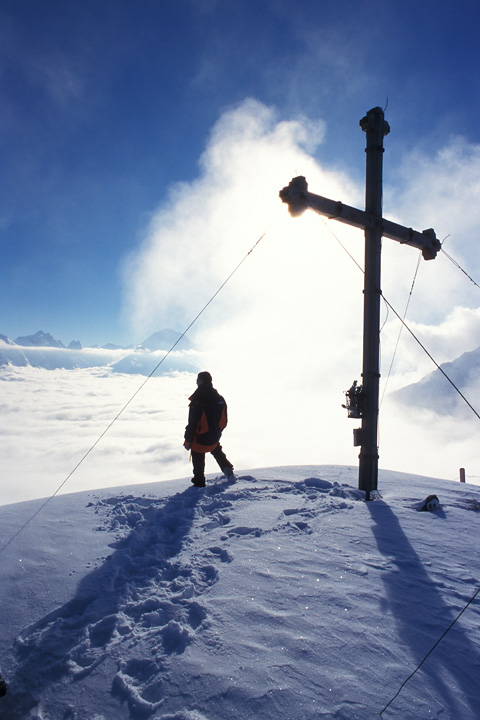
x: 298, y: 199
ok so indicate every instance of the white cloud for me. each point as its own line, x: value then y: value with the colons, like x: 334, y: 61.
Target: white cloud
x: 442, y: 192
x: 429, y: 444
x: 206, y: 227
x: 444, y: 189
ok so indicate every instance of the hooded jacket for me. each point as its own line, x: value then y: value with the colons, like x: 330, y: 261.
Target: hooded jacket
x: 207, y: 417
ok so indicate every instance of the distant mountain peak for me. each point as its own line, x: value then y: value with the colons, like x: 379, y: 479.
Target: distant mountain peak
x: 40, y: 339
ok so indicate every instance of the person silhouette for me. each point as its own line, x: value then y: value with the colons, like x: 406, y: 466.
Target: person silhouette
x: 207, y: 418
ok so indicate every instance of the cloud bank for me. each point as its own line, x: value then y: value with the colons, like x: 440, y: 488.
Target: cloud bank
x: 50, y: 419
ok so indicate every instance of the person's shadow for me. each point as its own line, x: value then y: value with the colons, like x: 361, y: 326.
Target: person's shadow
x: 451, y: 672
x: 141, y: 585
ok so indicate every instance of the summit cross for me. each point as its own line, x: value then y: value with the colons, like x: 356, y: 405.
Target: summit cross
x: 365, y: 399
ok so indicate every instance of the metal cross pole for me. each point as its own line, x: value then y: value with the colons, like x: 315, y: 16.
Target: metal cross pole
x: 376, y: 128
x: 298, y: 198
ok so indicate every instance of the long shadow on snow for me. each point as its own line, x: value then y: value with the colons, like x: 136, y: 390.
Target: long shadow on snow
x: 422, y: 616
x: 140, y: 579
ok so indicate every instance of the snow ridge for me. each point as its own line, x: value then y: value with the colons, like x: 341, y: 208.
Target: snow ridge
x: 280, y: 595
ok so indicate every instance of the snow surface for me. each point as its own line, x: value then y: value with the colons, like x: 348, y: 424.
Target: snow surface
x: 282, y: 595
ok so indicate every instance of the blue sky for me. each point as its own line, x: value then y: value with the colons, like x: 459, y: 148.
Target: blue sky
x: 109, y: 108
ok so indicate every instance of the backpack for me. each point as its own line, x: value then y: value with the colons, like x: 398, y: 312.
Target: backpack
x: 213, y: 420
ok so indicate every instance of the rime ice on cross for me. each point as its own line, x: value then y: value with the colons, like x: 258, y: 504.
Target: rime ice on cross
x: 298, y: 198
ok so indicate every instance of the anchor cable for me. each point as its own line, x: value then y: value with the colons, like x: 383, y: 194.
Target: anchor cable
x: 430, y: 651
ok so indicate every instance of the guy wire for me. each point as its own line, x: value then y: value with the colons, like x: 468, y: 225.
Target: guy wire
x: 430, y: 651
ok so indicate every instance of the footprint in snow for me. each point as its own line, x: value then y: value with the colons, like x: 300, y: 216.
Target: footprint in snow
x: 242, y: 530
